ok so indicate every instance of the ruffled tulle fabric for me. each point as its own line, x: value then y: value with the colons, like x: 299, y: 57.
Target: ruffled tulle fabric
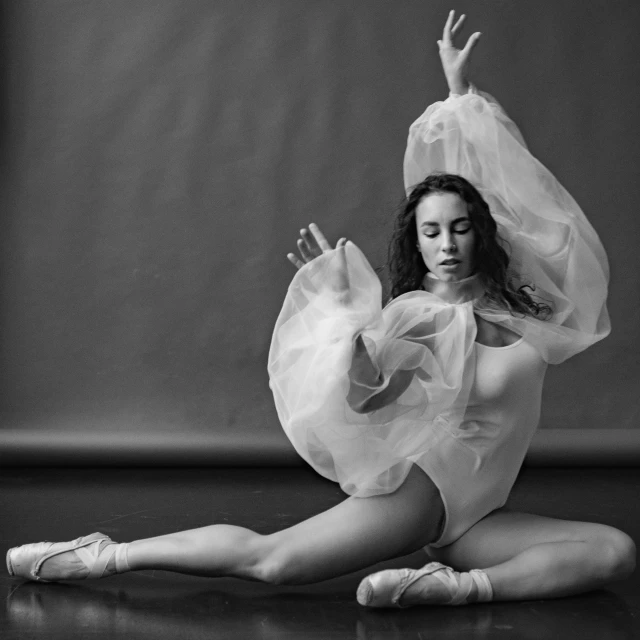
x: 310, y: 358
x: 432, y: 332
x: 551, y: 243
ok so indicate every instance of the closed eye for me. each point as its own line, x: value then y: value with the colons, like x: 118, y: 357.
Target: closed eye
x: 458, y: 231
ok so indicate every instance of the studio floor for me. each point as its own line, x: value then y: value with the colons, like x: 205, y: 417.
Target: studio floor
x: 62, y: 504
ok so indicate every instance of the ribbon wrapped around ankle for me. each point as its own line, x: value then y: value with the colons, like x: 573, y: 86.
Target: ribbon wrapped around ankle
x: 386, y: 588
x: 460, y: 584
x: 98, y: 560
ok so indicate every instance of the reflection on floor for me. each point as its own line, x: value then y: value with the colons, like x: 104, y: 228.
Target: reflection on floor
x: 58, y: 504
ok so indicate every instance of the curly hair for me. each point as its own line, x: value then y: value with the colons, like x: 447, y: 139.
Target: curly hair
x: 406, y: 266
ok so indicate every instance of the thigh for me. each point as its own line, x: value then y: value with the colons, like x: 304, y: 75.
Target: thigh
x: 504, y: 534
x: 359, y: 532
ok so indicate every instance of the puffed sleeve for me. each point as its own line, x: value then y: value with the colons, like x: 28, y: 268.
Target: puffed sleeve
x: 551, y: 243
x: 310, y: 359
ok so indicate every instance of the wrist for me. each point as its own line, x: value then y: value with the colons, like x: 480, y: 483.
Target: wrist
x: 458, y: 86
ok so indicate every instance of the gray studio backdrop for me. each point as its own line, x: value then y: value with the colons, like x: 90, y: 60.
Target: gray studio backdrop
x: 160, y: 156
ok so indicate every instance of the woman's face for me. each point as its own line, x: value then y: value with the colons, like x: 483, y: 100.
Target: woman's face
x: 445, y: 235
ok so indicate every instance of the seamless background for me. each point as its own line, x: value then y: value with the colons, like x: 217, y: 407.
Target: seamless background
x: 157, y: 159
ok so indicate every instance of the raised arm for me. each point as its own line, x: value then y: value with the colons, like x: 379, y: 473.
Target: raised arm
x: 369, y: 390
x: 551, y: 244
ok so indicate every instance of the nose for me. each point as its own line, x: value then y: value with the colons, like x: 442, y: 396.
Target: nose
x: 448, y: 245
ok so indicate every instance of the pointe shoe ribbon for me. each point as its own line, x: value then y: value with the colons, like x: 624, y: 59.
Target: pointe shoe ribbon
x: 25, y: 561
x: 385, y: 588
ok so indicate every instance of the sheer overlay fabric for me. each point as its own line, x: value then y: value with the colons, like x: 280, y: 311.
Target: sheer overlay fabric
x: 431, y: 333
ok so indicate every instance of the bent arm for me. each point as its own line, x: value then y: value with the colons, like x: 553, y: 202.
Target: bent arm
x: 368, y: 389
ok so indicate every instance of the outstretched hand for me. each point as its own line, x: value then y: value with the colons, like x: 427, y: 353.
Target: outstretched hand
x: 455, y: 61
x: 312, y: 245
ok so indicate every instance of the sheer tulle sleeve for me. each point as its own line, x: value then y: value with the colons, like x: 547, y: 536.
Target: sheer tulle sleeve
x: 552, y: 246
x: 311, y: 356
x: 551, y: 243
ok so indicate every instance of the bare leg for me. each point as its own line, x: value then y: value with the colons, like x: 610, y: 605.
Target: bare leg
x: 353, y: 535
x: 556, y: 569
x: 527, y: 557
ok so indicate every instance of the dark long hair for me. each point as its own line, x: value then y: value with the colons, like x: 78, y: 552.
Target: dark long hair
x: 406, y: 266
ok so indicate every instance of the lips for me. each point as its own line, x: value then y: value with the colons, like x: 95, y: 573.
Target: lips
x: 450, y: 261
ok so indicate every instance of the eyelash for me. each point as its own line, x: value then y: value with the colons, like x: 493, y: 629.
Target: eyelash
x: 460, y: 232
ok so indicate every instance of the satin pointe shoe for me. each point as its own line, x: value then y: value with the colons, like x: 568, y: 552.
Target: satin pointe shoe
x: 25, y: 561
x: 385, y: 588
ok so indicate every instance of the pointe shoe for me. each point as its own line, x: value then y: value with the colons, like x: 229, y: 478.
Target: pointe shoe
x: 385, y: 588
x: 26, y: 561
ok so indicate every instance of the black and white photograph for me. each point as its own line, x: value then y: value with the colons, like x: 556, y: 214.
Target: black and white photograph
x: 319, y: 319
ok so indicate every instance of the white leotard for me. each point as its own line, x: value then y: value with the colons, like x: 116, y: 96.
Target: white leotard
x: 475, y: 464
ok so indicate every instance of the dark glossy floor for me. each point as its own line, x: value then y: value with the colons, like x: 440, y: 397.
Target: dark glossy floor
x: 61, y: 504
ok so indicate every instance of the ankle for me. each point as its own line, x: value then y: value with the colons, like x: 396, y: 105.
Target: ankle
x: 473, y: 594
x: 119, y: 561
x: 483, y: 590
x: 449, y: 587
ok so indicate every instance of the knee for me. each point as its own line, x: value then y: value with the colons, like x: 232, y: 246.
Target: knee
x: 279, y: 567
x: 619, y: 553
x: 279, y: 571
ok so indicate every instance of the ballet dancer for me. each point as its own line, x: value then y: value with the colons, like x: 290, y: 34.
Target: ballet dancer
x: 423, y: 409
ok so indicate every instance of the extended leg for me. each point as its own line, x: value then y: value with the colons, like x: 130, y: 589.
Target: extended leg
x: 355, y: 534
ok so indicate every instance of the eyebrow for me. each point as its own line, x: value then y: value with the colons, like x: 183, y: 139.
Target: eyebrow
x: 435, y: 224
